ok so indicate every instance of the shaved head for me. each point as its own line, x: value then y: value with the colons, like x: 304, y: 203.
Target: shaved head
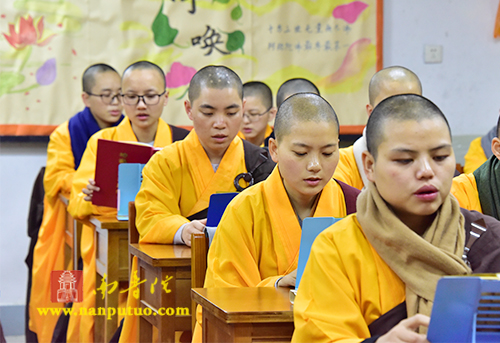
x: 403, y: 107
x: 217, y: 77
x: 259, y: 90
x: 392, y: 81
x: 303, y: 107
x: 141, y: 65
x: 294, y: 86
x: 88, y: 78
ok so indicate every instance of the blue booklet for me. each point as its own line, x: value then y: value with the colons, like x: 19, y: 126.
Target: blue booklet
x: 466, y: 309
x: 311, y: 228
x: 216, y: 207
x: 129, y: 183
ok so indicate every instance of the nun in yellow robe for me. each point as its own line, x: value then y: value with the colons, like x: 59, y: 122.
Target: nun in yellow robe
x: 81, y: 328
x: 64, y: 152
x: 255, y: 223
x: 176, y: 188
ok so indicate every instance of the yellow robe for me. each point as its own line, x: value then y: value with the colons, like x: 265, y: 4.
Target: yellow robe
x: 177, y: 183
x: 81, y: 328
x: 269, y: 130
x: 464, y: 188
x: 347, y: 170
x: 475, y: 156
x: 258, y: 238
x: 345, y: 287
x: 48, y: 254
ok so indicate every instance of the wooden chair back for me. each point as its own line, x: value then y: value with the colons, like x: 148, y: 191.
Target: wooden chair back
x: 199, y: 252
x: 133, y: 234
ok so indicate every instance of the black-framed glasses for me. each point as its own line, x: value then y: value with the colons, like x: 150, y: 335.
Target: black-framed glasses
x: 107, y: 99
x: 148, y: 99
x: 255, y: 116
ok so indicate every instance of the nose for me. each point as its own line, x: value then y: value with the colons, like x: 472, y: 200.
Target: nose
x: 313, y: 164
x: 246, y: 118
x: 220, y: 122
x: 141, y: 103
x: 425, y: 169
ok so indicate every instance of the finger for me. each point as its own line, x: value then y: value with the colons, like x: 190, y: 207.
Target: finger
x: 88, y: 198
x: 92, y: 182
x: 417, y: 320
x: 204, y: 221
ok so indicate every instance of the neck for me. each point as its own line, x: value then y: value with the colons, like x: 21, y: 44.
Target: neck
x: 102, y: 124
x: 214, y: 157
x: 419, y: 224
x: 303, y: 207
x: 145, y: 135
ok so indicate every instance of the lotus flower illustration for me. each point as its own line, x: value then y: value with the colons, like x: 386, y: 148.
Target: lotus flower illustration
x: 29, y: 32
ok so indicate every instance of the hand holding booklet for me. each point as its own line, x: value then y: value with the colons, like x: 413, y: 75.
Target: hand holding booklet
x: 109, y: 155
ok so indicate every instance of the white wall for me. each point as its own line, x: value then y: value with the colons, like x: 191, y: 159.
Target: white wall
x: 465, y: 86
x: 19, y: 166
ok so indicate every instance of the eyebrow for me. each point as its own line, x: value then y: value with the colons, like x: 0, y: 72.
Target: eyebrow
x: 213, y: 108
x: 443, y: 146
x: 303, y: 145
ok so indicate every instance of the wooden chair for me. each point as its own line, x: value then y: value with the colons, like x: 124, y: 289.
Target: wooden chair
x: 133, y: 234
x: 199, y: 251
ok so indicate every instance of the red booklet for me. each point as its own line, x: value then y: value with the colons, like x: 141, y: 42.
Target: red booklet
x: 109, y: 155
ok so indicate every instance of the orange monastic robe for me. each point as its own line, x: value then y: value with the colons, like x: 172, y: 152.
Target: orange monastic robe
x: 464, y: 188
x: 81, y: 328
x: 48, y: 254
x: 347, y: 170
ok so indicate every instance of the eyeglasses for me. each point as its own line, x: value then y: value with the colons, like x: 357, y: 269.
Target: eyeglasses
x: 148, y: 99
x: 107, y: 99
x: 255, y: 116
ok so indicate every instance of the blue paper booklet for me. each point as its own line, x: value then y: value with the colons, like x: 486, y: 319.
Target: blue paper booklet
x: 129, y: 183
x: 311, y: 228
x: 216, y: 207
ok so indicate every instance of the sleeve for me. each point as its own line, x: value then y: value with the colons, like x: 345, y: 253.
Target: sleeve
x: 464, y: 188
x: 474, y: 157
x: 347, y: 169
x: 157, y: 203
x: 60, y: 164
x: 78, y: 207
x: 233, y: 257
x: 326, y: 308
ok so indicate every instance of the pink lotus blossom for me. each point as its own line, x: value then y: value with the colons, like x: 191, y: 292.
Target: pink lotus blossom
x: 179, y: 75
x: 28, y: 33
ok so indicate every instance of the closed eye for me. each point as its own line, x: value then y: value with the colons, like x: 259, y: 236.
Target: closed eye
x: 440, y: 158
x: 300, y: 153
x: 404, y: 161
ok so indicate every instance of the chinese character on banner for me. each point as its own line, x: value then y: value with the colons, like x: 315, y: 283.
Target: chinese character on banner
x: 193, y: 6
x: 66, y: 286
x: 209, y: 41
x: 134, y: 284
x: 103, y: 288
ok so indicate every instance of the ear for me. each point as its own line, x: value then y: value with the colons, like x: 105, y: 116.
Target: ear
x: 495, y: 147
x: 166, y: 98
x: 368, y: 165
x: 369, y: 109
x: 273, y: 149
x: 272, y: 113
x: 188, y: 108
x: 85, y: 98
